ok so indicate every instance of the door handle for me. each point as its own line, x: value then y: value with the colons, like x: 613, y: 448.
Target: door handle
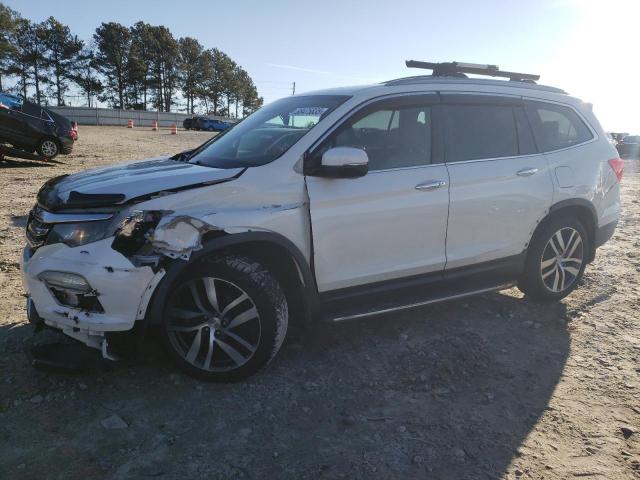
x: 431, y: 185
x: 527, y: 172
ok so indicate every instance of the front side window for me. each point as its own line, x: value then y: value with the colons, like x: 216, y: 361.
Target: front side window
x: 266, y: 134
x: 480, y: 131
x: 394, y: 136
x: 556, y: 127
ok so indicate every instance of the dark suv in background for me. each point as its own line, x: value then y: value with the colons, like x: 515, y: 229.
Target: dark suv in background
x: 629, y: 146
x: 206, y: 124
x: 30, y: 127
x: 212, y: 125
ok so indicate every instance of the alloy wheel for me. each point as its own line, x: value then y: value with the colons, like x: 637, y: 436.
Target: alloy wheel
x: 213, y: 324
x: 49, y: 148
x: 562, y: 260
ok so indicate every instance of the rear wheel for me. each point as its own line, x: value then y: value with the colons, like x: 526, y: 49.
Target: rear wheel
x: 556, y: 260
x: 225, y: 320
x: 48, y: 147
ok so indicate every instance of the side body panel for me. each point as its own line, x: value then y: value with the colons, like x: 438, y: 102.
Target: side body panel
x: 248, y: 203
x: 378, y: 227
x: 494, y: 211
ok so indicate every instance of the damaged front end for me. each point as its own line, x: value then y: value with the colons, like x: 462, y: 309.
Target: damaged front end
x: 89, y: 289
x: 144, y: 235
x: 93, y: 260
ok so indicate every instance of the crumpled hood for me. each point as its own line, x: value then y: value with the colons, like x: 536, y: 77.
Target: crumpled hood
x: 120, y: 184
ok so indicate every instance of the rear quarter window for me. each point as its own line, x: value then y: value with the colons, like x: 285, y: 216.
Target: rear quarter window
x: 556, y: 127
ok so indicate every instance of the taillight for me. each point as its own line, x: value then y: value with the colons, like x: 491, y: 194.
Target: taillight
x: 617, y: 165
x: 73, y: 133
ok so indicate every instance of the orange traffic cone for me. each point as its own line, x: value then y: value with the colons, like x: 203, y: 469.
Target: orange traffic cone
x: 154, y: 126
x: 174, y: 129
x: 129, y: 123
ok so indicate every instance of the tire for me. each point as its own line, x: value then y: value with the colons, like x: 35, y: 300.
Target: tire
x: 198, y: 328
x: 556, y: 260
x: 48, y: 147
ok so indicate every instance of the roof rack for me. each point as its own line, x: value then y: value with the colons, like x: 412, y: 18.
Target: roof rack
x: 459, y: 69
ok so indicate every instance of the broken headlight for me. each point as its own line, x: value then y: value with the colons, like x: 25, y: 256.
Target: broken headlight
x: 76, y: 234
x: 132, y: 234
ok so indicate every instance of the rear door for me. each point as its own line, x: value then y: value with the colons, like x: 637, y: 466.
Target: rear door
x: 392, y: 222
x: 500, y: 185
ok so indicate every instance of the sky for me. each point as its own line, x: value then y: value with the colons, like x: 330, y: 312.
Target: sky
x: 587, y: 47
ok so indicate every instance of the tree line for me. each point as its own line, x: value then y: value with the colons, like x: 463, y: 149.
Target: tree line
x: 139, y: 67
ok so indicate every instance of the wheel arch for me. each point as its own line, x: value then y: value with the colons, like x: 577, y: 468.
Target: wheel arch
x: 277, y: 253
x: 584, y: 211
x: 54, y: 138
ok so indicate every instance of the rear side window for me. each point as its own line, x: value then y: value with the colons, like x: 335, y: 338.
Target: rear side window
x: 480, y: 131
x: 556, y: 127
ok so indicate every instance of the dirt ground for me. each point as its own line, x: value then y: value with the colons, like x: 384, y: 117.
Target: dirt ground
x: 489, y: 387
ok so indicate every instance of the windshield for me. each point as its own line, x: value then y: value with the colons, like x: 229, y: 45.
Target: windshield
x: 266, y: 134
x: 632, y: 139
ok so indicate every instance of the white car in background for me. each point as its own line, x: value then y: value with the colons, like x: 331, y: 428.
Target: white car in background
x: 331, y: 205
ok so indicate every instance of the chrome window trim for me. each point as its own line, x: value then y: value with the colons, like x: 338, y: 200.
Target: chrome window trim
x: 475, y: 160
x: 412, y: 167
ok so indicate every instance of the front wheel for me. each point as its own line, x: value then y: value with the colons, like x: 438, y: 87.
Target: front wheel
x: 556, y: 260
x: 225, y: 320
x: 48, y: 148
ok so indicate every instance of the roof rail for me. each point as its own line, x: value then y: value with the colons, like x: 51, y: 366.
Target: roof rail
x: 459, y: 69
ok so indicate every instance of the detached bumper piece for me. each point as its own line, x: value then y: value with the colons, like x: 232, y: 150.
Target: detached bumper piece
x: 32, y: 315
x: 69, y: 358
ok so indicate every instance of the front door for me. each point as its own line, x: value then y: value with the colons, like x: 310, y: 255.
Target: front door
x: 391, y: 223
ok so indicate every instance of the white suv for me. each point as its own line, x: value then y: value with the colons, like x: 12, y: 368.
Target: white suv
x: 338, y: 204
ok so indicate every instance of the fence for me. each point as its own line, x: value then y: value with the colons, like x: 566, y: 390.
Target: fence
x: 110, y: 116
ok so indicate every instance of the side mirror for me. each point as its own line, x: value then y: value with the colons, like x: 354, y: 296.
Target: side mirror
x: 343, y: 162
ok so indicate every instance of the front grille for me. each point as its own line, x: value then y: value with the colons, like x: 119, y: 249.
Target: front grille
x: 37, y: 230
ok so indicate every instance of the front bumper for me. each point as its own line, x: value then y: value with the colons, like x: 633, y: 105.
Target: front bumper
x: 122, y: 289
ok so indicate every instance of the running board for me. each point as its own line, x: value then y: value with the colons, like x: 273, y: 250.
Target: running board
x: 421, y: 303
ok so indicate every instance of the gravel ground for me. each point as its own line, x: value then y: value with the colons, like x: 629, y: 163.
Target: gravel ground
x: 489, y: 387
